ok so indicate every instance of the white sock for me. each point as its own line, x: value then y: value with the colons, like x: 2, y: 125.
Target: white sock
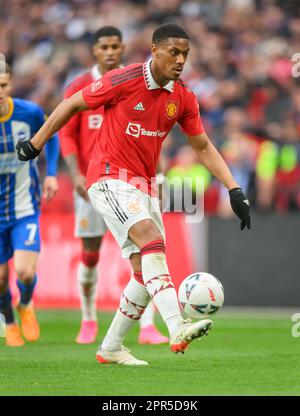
x: 160, y: 286
x: 87, y: 278
x: 147, y: 318
x: 133, y: 302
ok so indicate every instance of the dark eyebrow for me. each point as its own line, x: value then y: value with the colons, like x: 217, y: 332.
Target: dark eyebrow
x: 173, y: 48
x: 108, y: 45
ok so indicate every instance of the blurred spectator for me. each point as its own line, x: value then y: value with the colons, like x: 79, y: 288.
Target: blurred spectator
x: 239, y: 68
x: 239, y: 150
x: 184, y: 180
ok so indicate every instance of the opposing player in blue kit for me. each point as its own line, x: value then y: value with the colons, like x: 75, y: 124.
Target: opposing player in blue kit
x: 20, y: 194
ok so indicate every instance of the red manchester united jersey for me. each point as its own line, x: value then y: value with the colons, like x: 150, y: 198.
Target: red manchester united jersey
x: 138, y: 116
x: 79, y: 135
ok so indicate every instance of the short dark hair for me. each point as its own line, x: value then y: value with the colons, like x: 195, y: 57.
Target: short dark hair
x: 107, y: 31
x: 168, y: 30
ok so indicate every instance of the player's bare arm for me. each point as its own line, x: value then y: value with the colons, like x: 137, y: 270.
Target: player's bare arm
x: 58, y: 118
x: 79, y: 181
x: 209, y: 157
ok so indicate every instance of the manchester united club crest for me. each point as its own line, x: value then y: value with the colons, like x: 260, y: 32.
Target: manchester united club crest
x: 172, y: 108
x: 134, y: 207
x: 84, y: 223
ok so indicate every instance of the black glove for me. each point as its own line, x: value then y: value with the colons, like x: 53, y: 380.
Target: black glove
x: 240, y: 205
x: 26, y: 150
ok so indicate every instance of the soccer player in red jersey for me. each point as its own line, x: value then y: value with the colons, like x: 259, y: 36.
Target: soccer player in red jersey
x: 77, y: 138
x: 142, y: 102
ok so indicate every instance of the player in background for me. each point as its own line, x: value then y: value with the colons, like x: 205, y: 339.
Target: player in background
x: 20, y: 195
x: 77, y: 139
x: 127, y: 149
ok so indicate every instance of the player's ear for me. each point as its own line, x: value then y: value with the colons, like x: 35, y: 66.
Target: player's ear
x: 154, y: 49
x: 123, y: 47
x: 94, y: 50
x: 9, y: 84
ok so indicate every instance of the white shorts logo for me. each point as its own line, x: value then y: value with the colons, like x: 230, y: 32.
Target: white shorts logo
x: 133, y: 129
x: 134, y: 207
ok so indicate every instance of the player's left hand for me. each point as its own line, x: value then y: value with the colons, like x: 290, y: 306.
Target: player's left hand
x: 50, y: 187
x: 26, y: 150
x: 240, y: 205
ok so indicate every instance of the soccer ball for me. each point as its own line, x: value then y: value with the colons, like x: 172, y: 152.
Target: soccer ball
x: 201, y: 295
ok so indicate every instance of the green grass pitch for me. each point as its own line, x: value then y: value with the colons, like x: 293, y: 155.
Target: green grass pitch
x: 244, y: 354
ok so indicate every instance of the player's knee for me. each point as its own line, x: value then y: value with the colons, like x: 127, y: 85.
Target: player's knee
x: 90, y: 258
x: 3, y: 280
x: 91, y: 244
x: 144, y: 232
x: 25, y: 274
x: 151, y: 232
x: 136, y: 263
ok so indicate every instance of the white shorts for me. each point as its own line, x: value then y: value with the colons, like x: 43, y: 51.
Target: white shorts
x: 88, y: 222
x: 122, y: 205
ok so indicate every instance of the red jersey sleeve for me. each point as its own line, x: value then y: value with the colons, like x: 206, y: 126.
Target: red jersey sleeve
x: 69, y: 132
x: 101, y: 92
x: 190, y: 121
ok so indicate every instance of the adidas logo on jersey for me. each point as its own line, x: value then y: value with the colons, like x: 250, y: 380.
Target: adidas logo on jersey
x: 139, y: 107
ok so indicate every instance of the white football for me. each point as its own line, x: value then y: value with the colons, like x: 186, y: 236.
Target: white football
x: 201, y: 295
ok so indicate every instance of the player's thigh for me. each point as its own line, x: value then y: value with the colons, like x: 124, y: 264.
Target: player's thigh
x: 91, y: 244
x: 136, y: 262
x: 149, y: 230
x: 143, y: 232
x: 89, y: 224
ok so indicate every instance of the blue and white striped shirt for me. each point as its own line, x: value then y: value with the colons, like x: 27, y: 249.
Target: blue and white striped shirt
x: 20, y: 190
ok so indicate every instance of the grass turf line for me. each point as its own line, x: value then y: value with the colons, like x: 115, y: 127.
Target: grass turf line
x: 241, y: 356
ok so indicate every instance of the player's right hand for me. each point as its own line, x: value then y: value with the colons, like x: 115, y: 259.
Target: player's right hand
x: 26, y: 150
x: 79, y: 185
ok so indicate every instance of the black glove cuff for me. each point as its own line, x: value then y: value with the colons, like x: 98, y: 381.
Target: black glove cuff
x: 35, y: 152
x: 235, y: 190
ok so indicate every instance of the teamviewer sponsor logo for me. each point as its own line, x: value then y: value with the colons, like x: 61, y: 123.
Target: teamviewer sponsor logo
x: 133, y: 129
x: 136, y: 130
x: 153, y: 133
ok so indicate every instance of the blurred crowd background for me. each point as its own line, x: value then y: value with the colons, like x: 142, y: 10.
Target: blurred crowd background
x: 240, y: 68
